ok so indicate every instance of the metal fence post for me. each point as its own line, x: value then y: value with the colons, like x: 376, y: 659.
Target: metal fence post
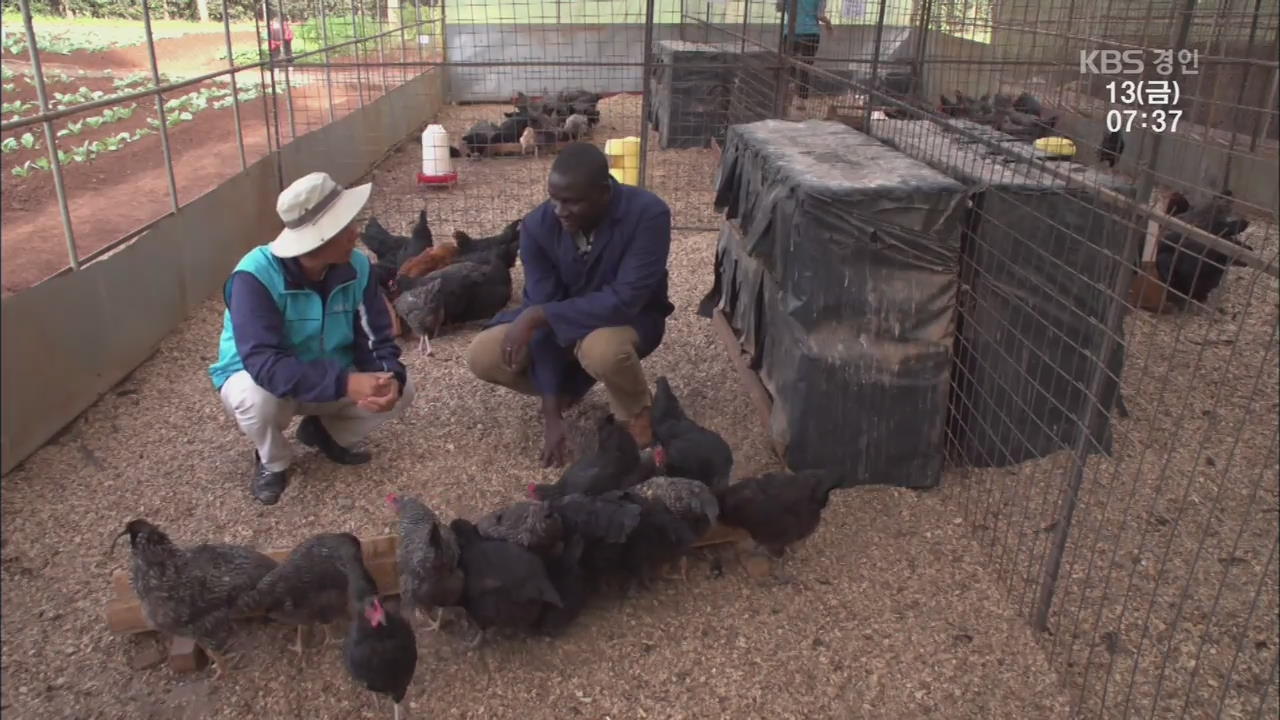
x: 875, y: 59
x: 646, y: 102
x: 328, y: 71
x: 50, y: 139
x: 235, y: 95
x: 164, y: 121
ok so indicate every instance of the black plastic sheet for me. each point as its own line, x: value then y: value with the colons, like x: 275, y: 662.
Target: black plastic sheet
x: 1039, y: 263
x: 841, y: 283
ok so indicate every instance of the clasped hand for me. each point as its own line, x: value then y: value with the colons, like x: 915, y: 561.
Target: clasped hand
x: 373, y: 391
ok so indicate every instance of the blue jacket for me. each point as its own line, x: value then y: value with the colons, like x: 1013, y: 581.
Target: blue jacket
x: 299, y: 339
x: 807, y: 12
x: 621, y: 281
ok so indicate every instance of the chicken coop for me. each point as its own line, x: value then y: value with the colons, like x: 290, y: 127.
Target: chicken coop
x: 1020, y: 254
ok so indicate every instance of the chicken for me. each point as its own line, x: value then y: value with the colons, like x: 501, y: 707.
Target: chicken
x: 508, y: 241
x: 380, y: 651
x: 529, y: 141
x: 533, y: 525
x: 1176, y: 205
x: 611, y: 466
x: 659, y: 539
x: 428, y: 559
x: 953, y: 108
x: 1189, y: 268
x: 428, y: 261
x: 1028, y: 104
x: 577, y: 126
x: 691, y: 501
x: 1112, y: 148
x: 688, y: 449
x: 392, y: 251
x: 564, y: 570
x: 459, y: 293
x: 778, y: 509
x: 506, y: 585
x: 476, y: 141
x: 191, y: 592
x: 309, y: 587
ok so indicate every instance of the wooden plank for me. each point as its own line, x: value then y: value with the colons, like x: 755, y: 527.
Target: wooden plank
x: 755, y: 389
x: 185, y: 655
x: 721, y: 534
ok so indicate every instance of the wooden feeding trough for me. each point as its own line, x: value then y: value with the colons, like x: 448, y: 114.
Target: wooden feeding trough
x: 124, y: 614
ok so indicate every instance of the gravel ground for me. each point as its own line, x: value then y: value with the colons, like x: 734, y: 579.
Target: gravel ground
x: 894, y: 617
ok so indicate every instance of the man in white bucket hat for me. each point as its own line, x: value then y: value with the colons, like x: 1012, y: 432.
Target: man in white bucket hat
x: 306, y: 333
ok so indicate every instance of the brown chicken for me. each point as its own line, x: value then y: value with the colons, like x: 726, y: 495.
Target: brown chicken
x: 428, y: 261
x: 778, y: 509
x: 190, y: 592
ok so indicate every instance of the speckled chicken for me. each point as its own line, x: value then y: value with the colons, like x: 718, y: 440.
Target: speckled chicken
x: 689, y: 500
x: 778, y: 509
x: 604, y: 522
x: 532, y: 524
x: 506, y: 585
x: 380, y: 651
x: 191, y: 592
x: 689, y: 450
x: 428, y: 557
x: 613, y: 465
x: 464, y: 291
x: 310, y: 586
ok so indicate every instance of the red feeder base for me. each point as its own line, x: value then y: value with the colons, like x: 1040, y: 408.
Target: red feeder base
x: 450, y: 178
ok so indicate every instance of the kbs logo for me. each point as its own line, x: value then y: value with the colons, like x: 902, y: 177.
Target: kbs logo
x: 1112, y: 62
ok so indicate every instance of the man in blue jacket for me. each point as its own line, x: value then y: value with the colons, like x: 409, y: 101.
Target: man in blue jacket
x: 306, y: 333
x: 595, y: 298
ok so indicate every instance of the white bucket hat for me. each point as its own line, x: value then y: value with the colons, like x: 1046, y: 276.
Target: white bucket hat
x: 314, y: 209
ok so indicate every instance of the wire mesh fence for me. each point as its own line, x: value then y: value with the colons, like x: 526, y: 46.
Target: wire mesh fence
x: 1114, y: 413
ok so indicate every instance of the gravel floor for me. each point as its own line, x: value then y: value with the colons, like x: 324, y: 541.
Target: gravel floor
x: 895, y: 615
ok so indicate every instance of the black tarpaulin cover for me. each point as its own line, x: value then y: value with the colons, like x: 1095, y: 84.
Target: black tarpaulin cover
x: 1039, y: 263
x: 842, y: 286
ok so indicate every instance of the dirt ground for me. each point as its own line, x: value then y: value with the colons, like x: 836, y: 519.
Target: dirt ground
x: 120, y: 192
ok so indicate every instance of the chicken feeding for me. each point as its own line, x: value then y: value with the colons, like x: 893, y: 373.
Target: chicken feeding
x: 659, y: 539
x: 191, y: 592
x: 577, y: 126
x: 506, y: 585
x: 309, y: 587
x: 459, y: 293
x: 380, y: 651
x: 688, y: 450
x: 428, y: 558
x: 533, y: 525
x: 613, y: 465
x: 529, y: 141
x: 691, y: 501
x: 778, y: 509
x: 1112, y: 148
x: 604, y: 522
x: 428, y: 261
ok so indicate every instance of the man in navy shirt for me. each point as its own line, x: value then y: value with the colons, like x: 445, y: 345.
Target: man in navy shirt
x: 595, y: 298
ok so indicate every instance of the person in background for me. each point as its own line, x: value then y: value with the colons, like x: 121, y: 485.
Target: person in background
x: 306, y: 333
x: 280, y: 35
x: 810, y: 19
x: 595, y: 299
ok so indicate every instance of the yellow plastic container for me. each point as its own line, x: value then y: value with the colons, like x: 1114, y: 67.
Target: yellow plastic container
x: 624, y: 159
x: 1056, y: 147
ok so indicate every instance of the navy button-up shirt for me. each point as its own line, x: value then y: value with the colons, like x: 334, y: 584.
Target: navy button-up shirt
x: 621, y: 280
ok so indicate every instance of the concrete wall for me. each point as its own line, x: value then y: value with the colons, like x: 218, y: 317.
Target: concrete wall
x: 67, y: 341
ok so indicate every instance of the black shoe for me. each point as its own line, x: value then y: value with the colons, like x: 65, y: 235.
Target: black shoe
x: 312, y: 434
x: 267, y: 486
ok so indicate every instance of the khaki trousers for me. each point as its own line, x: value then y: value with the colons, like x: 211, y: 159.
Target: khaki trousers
x: 609, y: 355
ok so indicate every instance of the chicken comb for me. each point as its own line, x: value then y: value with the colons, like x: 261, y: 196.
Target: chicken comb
x: 533, y: 490
x: 659, y: 456
x: 392, y: 499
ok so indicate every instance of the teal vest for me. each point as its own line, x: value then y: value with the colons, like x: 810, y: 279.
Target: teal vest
x: 313, y: 329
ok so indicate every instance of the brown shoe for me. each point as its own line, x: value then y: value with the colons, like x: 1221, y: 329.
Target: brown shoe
x: 641, y: 428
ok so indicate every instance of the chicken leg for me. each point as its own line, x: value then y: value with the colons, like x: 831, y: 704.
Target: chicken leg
x: 424, y: 345
x: 298, y: 645
x: 683, y: 575
x: 221, y: 663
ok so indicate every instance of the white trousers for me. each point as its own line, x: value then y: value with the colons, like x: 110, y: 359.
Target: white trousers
x: 263, y: 417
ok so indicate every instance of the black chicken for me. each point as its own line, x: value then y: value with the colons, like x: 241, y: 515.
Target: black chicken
x: 462, y: 292
x: 691, y: 501
x: 428, y: 558
x: 778, y: 509
x: 613, y: 465
x: 533, y: 525
x: 1112, y: 148
x: 688, y: 450
x: 659, y: 539
x: 1028, y: 104
x: 1191, y: 269
x: 309, y: 587
x: 380, y: 650
x: 1176, y: 205
x: 508, y: 241
x: 604, y: 522
x: 476, y: 141
x: 391, y: 251
x: 191, y: 592
x: 564, y: 570
x: 506, y: 585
